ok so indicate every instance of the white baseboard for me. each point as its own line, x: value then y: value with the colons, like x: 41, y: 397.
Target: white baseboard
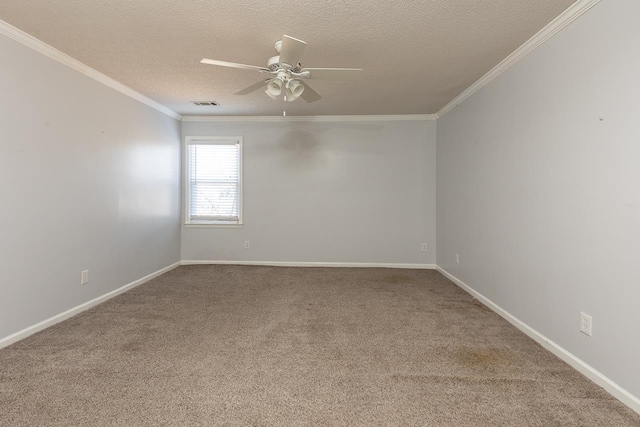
x: 315, y: 264
x: 594, y: 375
x: 6, y: 341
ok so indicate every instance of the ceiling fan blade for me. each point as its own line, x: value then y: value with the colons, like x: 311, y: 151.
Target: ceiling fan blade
x: 230, y: 64
x: 252, y: 88
x: 309, y: 94
x: 291, y: 50
x: 344, y: 74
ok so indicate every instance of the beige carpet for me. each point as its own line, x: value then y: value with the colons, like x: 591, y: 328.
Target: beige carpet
x: 231, y: 345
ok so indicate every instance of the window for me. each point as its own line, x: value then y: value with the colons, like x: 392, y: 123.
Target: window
x: 213, y: 181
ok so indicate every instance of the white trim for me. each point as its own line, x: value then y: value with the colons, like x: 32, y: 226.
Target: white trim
x: 53, y: 53
x: 6, y: 341
x: 314, y: 264
x: 610, y: 386
x: 239, y: 140
x: 565, y: 18
x: 384, y: 118
x: 190, y: 225
x: 596, y: 376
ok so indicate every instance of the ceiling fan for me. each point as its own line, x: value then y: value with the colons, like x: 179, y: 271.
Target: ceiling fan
x: 289, y: 74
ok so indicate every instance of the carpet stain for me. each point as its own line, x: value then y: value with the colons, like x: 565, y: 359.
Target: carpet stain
x: 483, y: 358
x: 464, y: 305
x: 480, y: 305
x: 134, y: 346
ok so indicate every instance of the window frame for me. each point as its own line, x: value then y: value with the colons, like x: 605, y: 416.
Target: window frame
x: 211, y: 140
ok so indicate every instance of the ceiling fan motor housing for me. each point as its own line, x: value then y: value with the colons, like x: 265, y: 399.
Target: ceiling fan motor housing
x: 274, y: 63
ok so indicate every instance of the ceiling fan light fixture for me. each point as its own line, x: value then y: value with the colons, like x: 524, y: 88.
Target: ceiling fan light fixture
x: 274, y: 87
x: 294, y: 89
x: 290, y: 97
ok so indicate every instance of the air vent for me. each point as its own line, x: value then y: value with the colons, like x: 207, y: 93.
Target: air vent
x: 206, y: 103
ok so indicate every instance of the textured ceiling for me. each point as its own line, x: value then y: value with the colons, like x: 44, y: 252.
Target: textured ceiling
x: 417, y: 54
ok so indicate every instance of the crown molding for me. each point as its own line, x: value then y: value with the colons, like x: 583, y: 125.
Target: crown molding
x: 565, y: 18
x: 53, y: 53
x: 385, y: 118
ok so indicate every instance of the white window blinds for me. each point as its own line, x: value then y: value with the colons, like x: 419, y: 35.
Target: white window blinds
x: 214, y: 181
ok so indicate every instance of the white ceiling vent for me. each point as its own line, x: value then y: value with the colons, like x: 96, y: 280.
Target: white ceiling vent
x: 206, y: 103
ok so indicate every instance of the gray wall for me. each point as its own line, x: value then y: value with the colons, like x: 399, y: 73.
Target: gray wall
x: 538, y: 189
x: 327, y: 192
x: 89, y: 179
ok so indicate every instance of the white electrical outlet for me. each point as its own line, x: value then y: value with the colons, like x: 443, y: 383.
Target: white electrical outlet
x: 246, y: 244
x: 84, y: 277
x: 586, y: 324
x: 457, y: 259
x: 424, y: 247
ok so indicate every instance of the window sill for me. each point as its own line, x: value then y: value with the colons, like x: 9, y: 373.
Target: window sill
x: 211, y: 225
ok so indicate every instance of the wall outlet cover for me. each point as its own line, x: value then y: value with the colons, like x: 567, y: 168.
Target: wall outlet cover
x: 586, y: 324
